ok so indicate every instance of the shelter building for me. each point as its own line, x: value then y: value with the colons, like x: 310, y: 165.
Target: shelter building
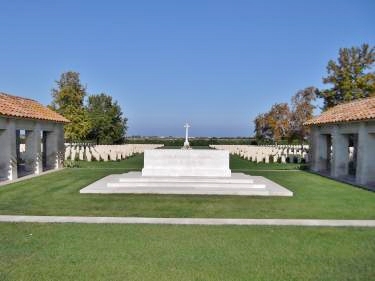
x: 342, y: 142
x: 31, y: 137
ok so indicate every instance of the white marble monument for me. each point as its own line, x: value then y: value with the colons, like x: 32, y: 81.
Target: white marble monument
x: 187, y: 171
x: 186, y: 163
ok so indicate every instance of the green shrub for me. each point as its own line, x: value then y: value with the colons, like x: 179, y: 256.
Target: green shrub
x: 71, y: 164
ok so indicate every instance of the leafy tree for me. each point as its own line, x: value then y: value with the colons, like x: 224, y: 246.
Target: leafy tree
x: 263, y: 130
x: 302, y: 110
x: 69, y: 92
x: 107, y: 123
x: 350, y: 76
x: 80, y: 124
x: 279, y: 121
x: 68, y: 100
x: 275, y: 124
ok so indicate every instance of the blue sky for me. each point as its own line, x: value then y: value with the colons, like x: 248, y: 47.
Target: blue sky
x: 215, y: 64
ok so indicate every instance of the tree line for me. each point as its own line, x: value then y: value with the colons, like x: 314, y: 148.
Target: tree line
x: 98, y: 118
x: 350, y: 78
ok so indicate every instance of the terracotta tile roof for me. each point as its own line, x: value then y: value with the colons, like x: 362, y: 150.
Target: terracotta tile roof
x: 17, y: 107
x: 358, y: 110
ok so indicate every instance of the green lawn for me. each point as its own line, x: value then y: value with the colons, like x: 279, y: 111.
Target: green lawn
x: 58, y: 194
x: 150, y: 252
x: 164, y: 252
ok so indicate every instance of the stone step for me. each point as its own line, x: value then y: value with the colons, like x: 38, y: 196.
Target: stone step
x: 191, y: 184
x: 135, y: 183
x: 184, y: 190
x: 189, y: 180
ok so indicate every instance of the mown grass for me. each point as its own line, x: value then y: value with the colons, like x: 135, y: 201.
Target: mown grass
x: 152, y: 252
x: 58, y: 194
x: 161, y: 252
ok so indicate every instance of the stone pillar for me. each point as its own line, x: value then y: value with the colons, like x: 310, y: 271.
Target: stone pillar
x: 59, y: 129
x: 370, y: 159
x: 340, y: 159
x: 8, y: 151
x: 324, y: 152
x: 55, y: 147
x: 319, y: 150
x: 314, y: 155
x: 33, y: 149
x: 3, y: 162
x: 361, y: 176
x: 18, y: 144
x: 365, y: 156
x: 28, y: 154
x: 51, y: 149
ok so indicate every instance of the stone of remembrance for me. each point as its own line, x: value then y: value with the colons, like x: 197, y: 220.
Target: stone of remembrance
x: 187, y: 171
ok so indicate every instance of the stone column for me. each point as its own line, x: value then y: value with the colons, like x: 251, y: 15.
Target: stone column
x: 365, y: 156
x: 59, y: 129
x: 319, y: 150
x: 8, y: 151
x: 55, y: 147
x: 33, y: 149
x: 314, y: 150
x: 28, y: 154
x: 370, y: 158
x: 361, y: 176
x: 3, y: 161
x: 340, y: 159
x: 51, y: 149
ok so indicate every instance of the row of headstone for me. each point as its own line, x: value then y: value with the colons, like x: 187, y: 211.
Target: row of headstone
x: 269, y: 153
x: 89, y: 152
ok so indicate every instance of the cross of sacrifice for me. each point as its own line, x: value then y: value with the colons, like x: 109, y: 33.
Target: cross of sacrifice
x: 187, y: 126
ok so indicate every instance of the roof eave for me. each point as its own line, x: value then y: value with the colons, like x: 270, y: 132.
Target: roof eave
x: 338, y: 122
x: 66, y: 121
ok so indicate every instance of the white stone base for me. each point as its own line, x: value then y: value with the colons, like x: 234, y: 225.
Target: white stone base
x: 186, y: 163
x: 237, y: 184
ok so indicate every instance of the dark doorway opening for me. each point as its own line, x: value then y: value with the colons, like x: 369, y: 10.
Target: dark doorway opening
x: 352, y: 151
x: 44, y: 150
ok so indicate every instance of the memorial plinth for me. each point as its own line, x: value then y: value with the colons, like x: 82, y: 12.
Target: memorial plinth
x: 186, y: 163
x: 187, y: 171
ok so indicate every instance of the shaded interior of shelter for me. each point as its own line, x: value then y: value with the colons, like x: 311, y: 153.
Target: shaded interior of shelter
x: 25, y: 161
x: 347, y: 158
x: 25, y: 156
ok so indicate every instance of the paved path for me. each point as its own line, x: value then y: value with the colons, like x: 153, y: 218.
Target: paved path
x: 187, y: 221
